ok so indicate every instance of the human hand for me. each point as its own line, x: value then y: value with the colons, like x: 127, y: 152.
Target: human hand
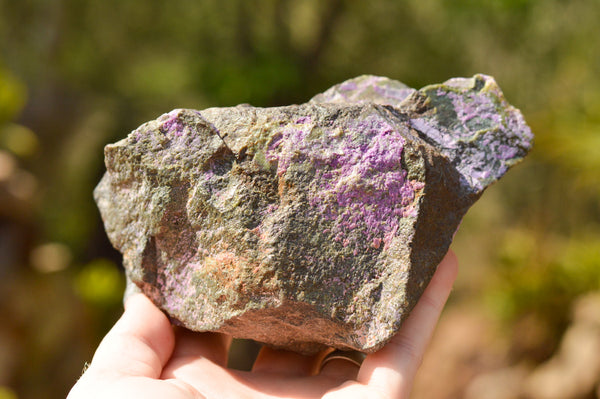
x: 142, y: 356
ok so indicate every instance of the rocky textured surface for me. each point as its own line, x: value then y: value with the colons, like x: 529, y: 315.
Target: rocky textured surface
x: 309, y: 225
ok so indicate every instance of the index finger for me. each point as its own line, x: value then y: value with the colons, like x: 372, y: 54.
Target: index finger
x: 393, y: 368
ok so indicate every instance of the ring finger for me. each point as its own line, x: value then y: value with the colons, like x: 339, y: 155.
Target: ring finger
x: 342, y: 365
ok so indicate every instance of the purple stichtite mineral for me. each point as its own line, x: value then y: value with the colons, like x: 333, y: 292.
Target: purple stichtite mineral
x: 307, y: 226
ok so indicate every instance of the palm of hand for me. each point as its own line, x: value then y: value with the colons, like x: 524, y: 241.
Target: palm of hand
x: 143, y: 356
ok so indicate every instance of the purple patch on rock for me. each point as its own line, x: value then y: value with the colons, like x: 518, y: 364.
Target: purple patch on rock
x: 359, y: 183
x: 172, y: 124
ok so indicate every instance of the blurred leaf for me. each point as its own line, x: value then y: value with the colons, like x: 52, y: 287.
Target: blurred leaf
x: 18, y: 139
x: 100, y: 283
x: 7, y: 393
x: 12, y: 95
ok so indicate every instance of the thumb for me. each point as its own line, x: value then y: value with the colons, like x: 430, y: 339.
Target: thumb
x: 139, y: 344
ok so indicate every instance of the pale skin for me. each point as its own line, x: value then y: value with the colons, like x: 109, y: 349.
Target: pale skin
x: 143, y: 356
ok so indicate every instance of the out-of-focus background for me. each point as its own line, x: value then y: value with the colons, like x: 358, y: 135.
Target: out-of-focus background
x: 524, y: 318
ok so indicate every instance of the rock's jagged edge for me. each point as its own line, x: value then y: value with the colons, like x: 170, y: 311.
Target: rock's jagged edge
x: 229, y: 210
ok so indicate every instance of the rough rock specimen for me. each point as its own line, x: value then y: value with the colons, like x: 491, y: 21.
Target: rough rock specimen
x: 309, y: 225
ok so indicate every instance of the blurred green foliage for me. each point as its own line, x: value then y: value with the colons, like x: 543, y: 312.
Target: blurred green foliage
x: 6, y: 393
x: 77, y: 74
x: 100, y: 283
x: 12, y: 95
x: 544, y: 277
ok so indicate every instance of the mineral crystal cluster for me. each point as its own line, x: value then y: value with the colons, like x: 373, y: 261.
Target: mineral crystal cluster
x: 306, y: 226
